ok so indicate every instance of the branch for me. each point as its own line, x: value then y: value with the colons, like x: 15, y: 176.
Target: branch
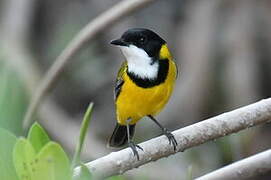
x: 243, y: 169
x: 193, y: 135
x: 14, y: 47
x: 95, y: 27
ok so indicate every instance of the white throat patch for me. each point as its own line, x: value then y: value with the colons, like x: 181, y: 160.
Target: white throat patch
x: 139, y: 62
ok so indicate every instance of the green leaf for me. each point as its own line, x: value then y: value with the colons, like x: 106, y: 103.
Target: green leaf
x: 189, y: 172
x: 13, y: 98
x: 37, y: 137
x: 7, y: 169
x: 84, y: 173
x: 83, y: 131
x: 23, y: 158
x: 51, y: 163
x: 116, y: 178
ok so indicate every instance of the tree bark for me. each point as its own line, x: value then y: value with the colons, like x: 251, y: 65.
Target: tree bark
x: 193, y: 135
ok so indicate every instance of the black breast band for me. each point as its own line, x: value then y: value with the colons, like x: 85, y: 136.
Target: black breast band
x: 148, y: 83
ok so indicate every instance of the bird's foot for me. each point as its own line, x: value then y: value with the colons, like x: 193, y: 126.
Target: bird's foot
x: 171, y: 138
x: 133, y: 146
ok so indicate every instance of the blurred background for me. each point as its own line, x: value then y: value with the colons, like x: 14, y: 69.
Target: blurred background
x: 222, y: 48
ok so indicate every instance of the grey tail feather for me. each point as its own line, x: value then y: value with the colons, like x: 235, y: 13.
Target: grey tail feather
x: 119, y: 137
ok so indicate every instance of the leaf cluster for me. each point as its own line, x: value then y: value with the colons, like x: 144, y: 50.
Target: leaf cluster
x: 38, y: 157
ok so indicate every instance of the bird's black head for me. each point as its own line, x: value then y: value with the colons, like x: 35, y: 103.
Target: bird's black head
x: 142, y: 38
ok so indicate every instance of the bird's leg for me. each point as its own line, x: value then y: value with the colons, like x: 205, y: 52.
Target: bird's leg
x: 131, y: 144
x: 166, y: 132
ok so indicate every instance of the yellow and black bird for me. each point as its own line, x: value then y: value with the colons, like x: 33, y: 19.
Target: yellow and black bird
x: 144, y: 84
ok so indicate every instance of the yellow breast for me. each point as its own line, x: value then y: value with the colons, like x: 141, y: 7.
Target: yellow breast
x: 136, y: 102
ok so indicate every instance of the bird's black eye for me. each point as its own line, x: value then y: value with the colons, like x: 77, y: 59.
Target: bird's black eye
x: 142, y: 40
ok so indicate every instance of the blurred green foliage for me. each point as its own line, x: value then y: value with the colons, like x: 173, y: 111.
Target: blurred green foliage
x: 8, y: 141
x: 37, y: 157
x: 83, y: 132
x: 84, y: 174
x: 189, y: 173
x: 13, y: 99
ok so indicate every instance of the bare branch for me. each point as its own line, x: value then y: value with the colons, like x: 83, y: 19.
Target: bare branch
x: 243, y: 169
x: 193, y: 135
x: 95, y: 27
x: 14, y: 47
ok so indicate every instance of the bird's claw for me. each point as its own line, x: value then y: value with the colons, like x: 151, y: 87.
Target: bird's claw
x: 133, y: 146
x: 171, y: 138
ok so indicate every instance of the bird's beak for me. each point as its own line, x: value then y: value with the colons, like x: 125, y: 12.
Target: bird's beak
x: 119, y: 42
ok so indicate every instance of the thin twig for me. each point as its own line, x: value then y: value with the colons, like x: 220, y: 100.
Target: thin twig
x: 193, y: 135
x: 246, y: 168
x: 95, y: 27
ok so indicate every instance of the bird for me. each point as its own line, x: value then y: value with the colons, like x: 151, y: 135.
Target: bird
x: 143, y: 86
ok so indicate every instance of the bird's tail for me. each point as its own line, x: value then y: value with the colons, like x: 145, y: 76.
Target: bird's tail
x: 119, y: 137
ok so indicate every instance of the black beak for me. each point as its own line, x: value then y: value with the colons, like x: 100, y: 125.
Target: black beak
x: 119, y: 42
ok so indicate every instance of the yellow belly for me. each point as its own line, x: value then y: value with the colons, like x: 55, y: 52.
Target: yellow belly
x: 135, y: 102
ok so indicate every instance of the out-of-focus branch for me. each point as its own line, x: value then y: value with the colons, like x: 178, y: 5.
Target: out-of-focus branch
x: 14, y: 47
x: 196, y: 35
x: 96, y: 26
x: 239, y: 44
x: 247, y: 168
x: 193, y: 135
